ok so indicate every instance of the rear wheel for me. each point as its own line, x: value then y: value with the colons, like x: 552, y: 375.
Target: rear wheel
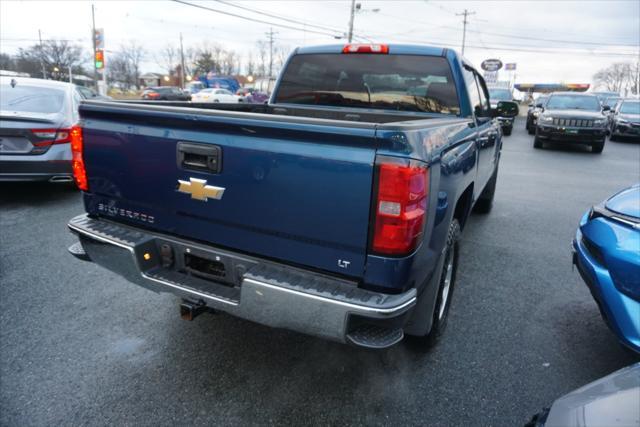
x: 446, y: 284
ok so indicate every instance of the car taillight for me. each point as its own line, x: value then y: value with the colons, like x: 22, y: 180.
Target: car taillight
x: 400, y: 205
x: 77, y: 161
x: 50, y: 136
x: 365, y: 48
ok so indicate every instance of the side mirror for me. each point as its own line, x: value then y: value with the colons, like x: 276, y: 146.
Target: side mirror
x: 506, y: 109
x: 539, y: 105
x: 606, y: 108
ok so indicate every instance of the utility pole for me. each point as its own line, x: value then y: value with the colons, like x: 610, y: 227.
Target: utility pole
x: 271, y: 34
x: 93, y: 37
x: 351, y: 17
x: 44, y: 73
x: 464, y: 26
x: 181, y: 64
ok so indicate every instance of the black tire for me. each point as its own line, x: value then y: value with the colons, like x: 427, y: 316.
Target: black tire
x: 485, y: 201
x: 613, y: 137
x: 530, y: 129
x: 597, y: 147
x: 537, y: 143
x: 507, y: 131
x: 446, y: 285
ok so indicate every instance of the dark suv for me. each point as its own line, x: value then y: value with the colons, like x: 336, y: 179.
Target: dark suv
x: 572, y: 117
x: 501, y: 94
x: 533, y: 112
x: 625, y: 119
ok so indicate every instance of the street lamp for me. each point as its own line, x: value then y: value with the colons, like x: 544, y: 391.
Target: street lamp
x: 250, y: 79
x: 189, y: 78
x: 357, y: 8
x: 56, y: 69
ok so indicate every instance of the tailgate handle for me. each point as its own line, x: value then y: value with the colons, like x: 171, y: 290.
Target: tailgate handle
x: 199, y: 157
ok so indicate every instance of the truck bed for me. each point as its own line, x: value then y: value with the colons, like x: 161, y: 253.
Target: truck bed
x: 354, y: 115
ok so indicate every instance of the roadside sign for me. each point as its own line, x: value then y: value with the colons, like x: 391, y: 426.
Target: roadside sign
x: 490, y: 76
x: 98, y: 37
x: 511, y: 66
x: 491, y: 64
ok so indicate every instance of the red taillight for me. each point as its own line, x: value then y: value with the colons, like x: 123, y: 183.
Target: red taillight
x: 51, y: 136
x: 77, y: 161
x: 401, y: 205
x: 365, y: 48
x: 153, y: 95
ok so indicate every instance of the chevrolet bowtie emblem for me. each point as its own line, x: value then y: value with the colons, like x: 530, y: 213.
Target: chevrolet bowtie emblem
x: 199, y: 189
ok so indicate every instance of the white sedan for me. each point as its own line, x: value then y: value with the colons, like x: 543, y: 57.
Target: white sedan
x: 215, y: 95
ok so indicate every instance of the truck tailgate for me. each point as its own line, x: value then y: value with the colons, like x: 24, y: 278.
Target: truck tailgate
x: 295, y: 189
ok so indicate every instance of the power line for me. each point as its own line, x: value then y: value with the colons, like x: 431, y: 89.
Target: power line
x: 549, y: 40
x: 450, y: 43
x: 506, y: 35
x: 271, y: 15
x: 289, y: 27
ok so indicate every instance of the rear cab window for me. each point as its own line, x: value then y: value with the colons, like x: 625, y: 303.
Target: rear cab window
x: 399, y: 82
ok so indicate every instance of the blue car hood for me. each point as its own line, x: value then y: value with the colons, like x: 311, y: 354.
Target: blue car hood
x: 626, y: 202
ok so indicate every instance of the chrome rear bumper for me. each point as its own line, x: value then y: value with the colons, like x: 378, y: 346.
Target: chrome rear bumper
x: 258, y: 290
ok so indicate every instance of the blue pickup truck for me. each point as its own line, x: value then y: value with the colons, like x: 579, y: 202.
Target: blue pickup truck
x: 334, y: 210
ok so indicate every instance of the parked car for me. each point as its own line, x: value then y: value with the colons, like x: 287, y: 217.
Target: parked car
x: 625, y: 119
x: 497, y: 94
x: 88, y: 93
x: 606, y: 251
x: 612, y: 401
x: 215, y: 95
x: 252, y: 96
x: 572, y: 117
x: 195, y: 87
x: 335, y: 211
x: 37, y: 118
x: 533, y: 112
x: 602, y: 96
x: 165, y: 93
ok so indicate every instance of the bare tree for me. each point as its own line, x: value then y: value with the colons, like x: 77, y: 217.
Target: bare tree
x: 633, y: 82
x: 250, y: 68
x: 134, y: 54
x: 613, y: 78
x: 229, y: 62
x: 281, y: 53
x: 168, y: 58
x: 52, y: 54
x: 263, y: 57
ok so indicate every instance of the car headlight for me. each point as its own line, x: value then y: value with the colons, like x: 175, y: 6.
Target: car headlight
x: 545, y: 119
x: 599, y: 122
x: 535, y: 113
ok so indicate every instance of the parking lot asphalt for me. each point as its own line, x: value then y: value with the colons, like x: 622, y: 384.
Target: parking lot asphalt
x: 79, y: 345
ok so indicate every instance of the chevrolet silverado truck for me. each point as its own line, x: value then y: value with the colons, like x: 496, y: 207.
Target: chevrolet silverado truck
x: 334, y: 210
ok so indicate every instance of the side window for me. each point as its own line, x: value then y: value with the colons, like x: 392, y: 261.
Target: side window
x: 484, y: 94
x: 472, y: 88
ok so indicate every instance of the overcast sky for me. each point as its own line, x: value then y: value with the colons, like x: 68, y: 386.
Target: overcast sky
x: 579, y: 37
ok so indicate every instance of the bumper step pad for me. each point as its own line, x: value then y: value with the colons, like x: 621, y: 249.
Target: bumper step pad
x: 373, y: 336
